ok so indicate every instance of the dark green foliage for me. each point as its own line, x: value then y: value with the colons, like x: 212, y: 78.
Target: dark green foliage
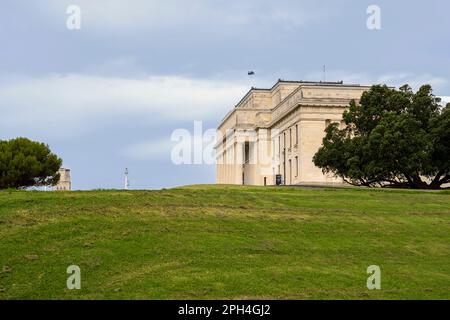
x: 25, y: 163
x: 394, y: 138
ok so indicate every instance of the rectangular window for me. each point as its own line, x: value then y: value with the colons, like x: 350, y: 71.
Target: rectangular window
x: 247, y: 152
x: 296, y: 134
x: 290, y: 138
x: 279, y: 145
x: 290, y: 171
x: 296, y: 166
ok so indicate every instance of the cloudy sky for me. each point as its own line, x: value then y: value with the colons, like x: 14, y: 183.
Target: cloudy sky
x: 109, y: 95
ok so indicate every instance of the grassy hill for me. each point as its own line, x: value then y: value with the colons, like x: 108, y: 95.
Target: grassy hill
x: 208, y: 242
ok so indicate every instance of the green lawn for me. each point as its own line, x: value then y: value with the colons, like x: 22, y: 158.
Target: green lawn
x: 216, y: 242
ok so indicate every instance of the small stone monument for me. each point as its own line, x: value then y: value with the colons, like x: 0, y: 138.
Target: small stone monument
x: 64, y: 183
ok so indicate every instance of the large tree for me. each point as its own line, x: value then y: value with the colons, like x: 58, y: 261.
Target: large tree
x: 25, y: 163
x: 392, y: 138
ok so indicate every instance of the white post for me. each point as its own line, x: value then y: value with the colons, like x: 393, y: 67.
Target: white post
x: 127, y: 182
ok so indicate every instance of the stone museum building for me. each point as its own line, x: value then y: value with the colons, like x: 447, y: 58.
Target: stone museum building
x: 272, y: 135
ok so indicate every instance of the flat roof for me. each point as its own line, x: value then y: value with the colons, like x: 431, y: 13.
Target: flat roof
x: 316, y: 83
x: 280, y: 81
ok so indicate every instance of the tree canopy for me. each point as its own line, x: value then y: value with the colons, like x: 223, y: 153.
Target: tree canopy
x: 25, y: 163
x: 392, y: 138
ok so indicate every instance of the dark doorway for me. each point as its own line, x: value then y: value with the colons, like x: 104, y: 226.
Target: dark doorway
x: 247, y: 152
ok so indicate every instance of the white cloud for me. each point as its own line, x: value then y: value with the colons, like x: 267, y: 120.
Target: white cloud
x: 445, y: 100
x: 414, y: 80
x: 70, y: 104
x: 391, y: 79
x: 195, y: 141
x: 338, y: 75
x: 149, y: 149
x: 156, y: 15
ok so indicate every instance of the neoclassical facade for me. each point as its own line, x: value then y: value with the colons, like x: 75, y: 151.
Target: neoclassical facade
x: 276, y: 132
